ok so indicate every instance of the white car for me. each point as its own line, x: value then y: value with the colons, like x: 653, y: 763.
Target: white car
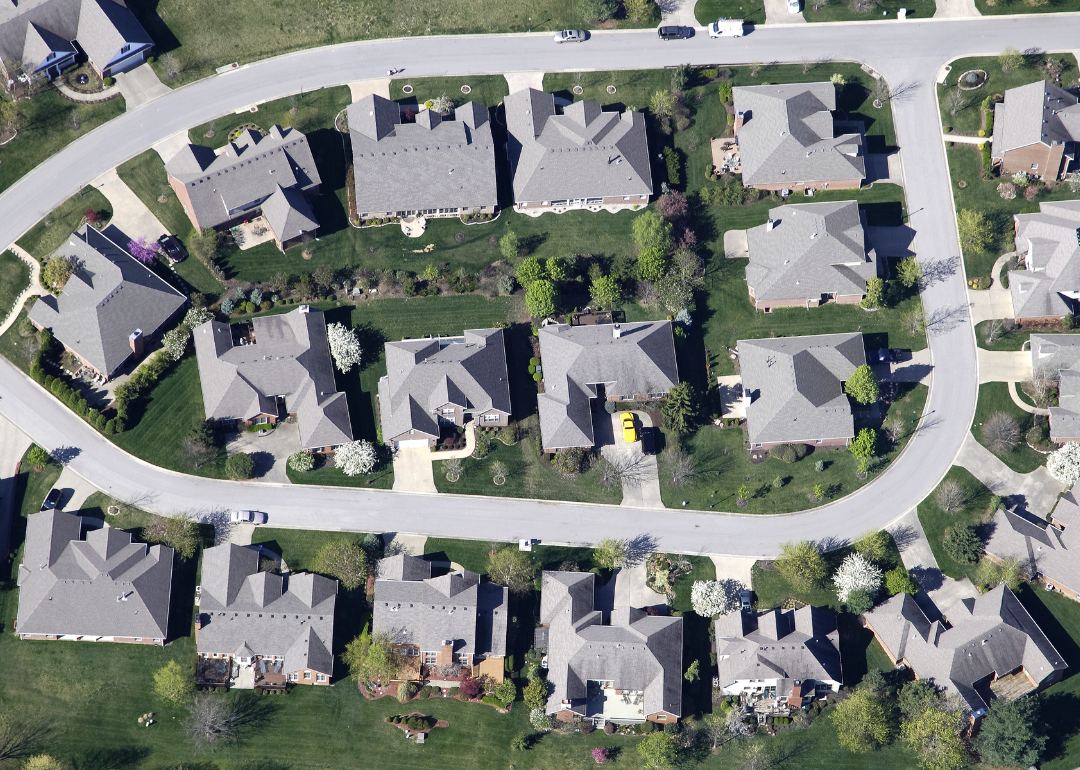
x: 726, y: 28
x: 570, y: 36
x: 247, y: 517
x: 793, y: 6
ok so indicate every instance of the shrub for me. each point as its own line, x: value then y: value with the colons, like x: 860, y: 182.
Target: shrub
x: 302, y: 462
x: 109, y: 82
x: 899, y: 580
x: 38, y: 456
x: 725, y: 92
x: 674, y: 165
x: 405, y: 691
x: 609, y: 728
x: 506, y: 691
x: 1001, y: 432
x: 470, y: 687
x: 962, y: 544
x: 240, y: 466
x: 788, y: 453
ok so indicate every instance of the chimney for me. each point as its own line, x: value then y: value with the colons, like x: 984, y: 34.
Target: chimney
x: 198, y: 625
x: 770, y: 225
x: 137, y: 343
x: 305, y: 308
x: 740, y: 119
x: 616, y: 331
x: 747, y: 399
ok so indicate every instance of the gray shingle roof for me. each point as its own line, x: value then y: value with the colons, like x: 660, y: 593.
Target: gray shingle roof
x: 1059, y: 354
x: 1042, y: 548
x: 105, y: 27
x: 290, y: 357
x: 788, y: 136
x: 1036, y: 113
x: 423, y: 375
x: 795, y: 386
x: 786, y: 644
x: 107, y: 299
x: 430, y: 164
x: 288, y: 214
x: 40, y: 45
x: 105, y: 585
x: 583, y: 153
x: 248, y: 171
x: 290, y: 615
x: 1051, y: 241
x: 991, y: 633
x: 426, y: 611
x: 637, y: 651
x: 640, y: 361
x: 811, y: 250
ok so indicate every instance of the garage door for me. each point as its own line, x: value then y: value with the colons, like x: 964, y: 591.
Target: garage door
x: 420, y: 442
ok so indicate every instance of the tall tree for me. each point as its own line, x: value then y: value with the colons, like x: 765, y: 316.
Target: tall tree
x: 679, y: 409
x: 610, y: 552
x: 863, y: 385
x: 173, y: 684
x: 934, y: 735
x: 512, y: 568
x: 541, y: 298
x: 651, y: 231
x: 658, y: 750
x: 372, y: 658
x: 801, y: 564
x: 344, y: 560
x: 1010, y: 734
x: 862, y: 721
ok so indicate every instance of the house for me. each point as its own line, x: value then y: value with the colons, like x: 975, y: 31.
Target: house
x: 1047, y: 289
x: 433, y: 167
x: 272, y: 175
x: 584, y: 158
x: 110, y: 306
x: 987, y: 647
x: 269, y: 629
x: 780, y: 660
x: 625, y: 671
x: 1058, y: 355
x: 270, y: 368
x: 810, y: 254
x: 99, y: 588
x: 793, y: 388
x: 1036, y: 130
x: 443, y: 381
x: 450, y: 624
x: 788, y: 140
x: 612, y: 362
x: 41, y: 38
x: 1047, y: 550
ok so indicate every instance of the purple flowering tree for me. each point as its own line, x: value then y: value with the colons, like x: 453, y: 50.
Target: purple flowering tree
x: 145, y: 253
x: 600, y: 755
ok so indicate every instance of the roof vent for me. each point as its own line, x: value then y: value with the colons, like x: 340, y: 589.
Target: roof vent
x: 770, y: 225
x: 305, y: 308
x: 616, y: 331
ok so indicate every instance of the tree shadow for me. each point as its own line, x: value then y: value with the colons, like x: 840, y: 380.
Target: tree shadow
x: 182, y: 599
x: 639, y: 548
x: 111, y: 759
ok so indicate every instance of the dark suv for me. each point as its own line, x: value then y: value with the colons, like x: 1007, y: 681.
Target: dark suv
x: 51, y: 500
x: 673, y: 33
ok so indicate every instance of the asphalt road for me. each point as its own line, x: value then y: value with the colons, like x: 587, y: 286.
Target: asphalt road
x: 909, y: 55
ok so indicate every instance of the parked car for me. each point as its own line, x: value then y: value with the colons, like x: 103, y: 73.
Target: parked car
x: 648, y: 441
x: 744, y: 600
x: 882, y: 356
x: 629, y: 431
x: 726, y: 28
x: 172, y: 247
x: 674, y: 33
x: 793, y: 6
x: 252, y: 517
x: 570, y: 36
x: 51, y: 500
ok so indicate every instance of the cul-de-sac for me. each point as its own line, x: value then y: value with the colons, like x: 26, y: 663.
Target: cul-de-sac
x: 487, y: 384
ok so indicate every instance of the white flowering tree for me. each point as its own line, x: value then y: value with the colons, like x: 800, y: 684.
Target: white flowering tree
x: 715, y: 597
x: 302, y: 462
x: 355, y: 458
x: 856, y: 573
x: 175, y: 342
x: 344, y: 346
x: 1064, y: 464
x: 197, y: 316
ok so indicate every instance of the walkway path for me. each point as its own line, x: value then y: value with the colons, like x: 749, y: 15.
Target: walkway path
x: 631, y: 591
x: 141, y: 85
x: 76, y: 96
x: 13, y: 445
x: 1038, y: 489
x: 33, y: 290
x: 412, y: 471
x: 939, y: 592
x: 1023, y: 404
x: 130, y: 214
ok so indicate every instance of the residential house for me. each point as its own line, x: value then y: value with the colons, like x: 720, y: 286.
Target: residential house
x: 1058, y: 357
x: 780, y: 660
x: 270, y: 368
x: 99, y: 588
x: 986, y: 647
x: 584, y: 158
x: 810, y: 254
x: 612, y: 362
x: 448, y: 625
x: 1048, y: 287
x: 110, y: 306
x: 1036, y: 130
x: 41, y: 38
x: 793, y: 388
x: 435, y: 166
x: 273, y: 176
x: 257, y: 629
x: 1046, y: 549
x: 624, y: 671
x: 788, y: 139
x: 443, y: 381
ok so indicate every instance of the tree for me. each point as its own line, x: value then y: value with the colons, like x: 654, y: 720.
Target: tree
x: 875, y: 293
x: 356, y: 457
x: 43, y: 762
x: 173, y: 684
x: 652, y: 264
x: 240, y: 466
x: 596, y: 10
x: 196, y: 317
x: 679, y: 409
x: 9, y: 115
x: 541, y: 298
x: 801, y: 564
x: 344, y: 346
x: 1011, y: 733
x: 179, y: 532
x: 512, y: 568
x: 757, y: 756
x: 991, y: 573
x: 863, y: 722
x: 658, y: 750
x: 678, y: 465
x: 175, y: 342
x: 170, y: 63
x: 204, y: 246
x: 934, y: 735
x: 605, y: 291
x: 323, y: 276
x: 638, y: 9
x: 914, y: 321
x: 38, y: 457
x: 864, y: 445
x: 1001, y: 432
x: 344, y: 560
x: 874, y: 545
x: 974, y: 229
x: 962, y: 544
x: 950, y: 496
x: 278, y: 283
x: 509, y: 246
x: 609, y: 553
x: 506, y: 691
x: 443, y: 105
x: 916, y: 697
x: 955, y: 101
x: 693, y: 671
x: 1010, y: 59
x: 900, y: 581
x: 535, y: 694
x: 213, y: 719
x: 710, y: 598
x: 529, y: 271
x: 142, y: 251
x: 56, y: 272
x: 1064, y: 464
x: 672, y: 206
x: 863, y: 385
x: 499, y: 472
x: 372, y: 658
x: 1040, y: 388
x: 558, y: 268
x: 302, y: 461
x: 651, y: 231
x: 20, y: 737
x: 855, y: 573
x: 198, y: 444
x: 662, y: 104
x: 859, y: 601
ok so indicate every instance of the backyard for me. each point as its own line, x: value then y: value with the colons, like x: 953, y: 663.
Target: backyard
x: 14, y: 278
x: 993, y: 399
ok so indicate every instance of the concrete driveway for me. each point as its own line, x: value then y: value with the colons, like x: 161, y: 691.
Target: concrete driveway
x: 776, y: 12
x: 995, y: 302
x: 13, y: 445
x: 270, y: 453
x: 130, y: 214
x: 939, y: 592
x: 412, y: 470
x: 1004, y: 365
x: 1038, y: 489
x: 141, y: 85
x: 631, y: 591
x: 641, y: 480
x: 918, y: 368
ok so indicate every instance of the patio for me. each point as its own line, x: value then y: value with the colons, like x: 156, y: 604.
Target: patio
x: 248, y: 235
x: 725, y: 155
x: 614, y: 705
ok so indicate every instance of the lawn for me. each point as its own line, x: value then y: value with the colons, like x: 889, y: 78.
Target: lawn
x: 16, y: 348
x: 34, y: 486
x: 49, y: 234
x: 841, y: 10
x: 145, y: 175
x: 315, y: 111
x: 750, y: 11
x: 994, y: 398
x: 1015, y: 6
x: 934, y: 520
x: 45, y: 127
x: 14, y: 278
x: 488, y: 90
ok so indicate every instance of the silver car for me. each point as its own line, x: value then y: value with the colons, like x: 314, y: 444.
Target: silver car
x: 570, y: 36
x: 247, y: 517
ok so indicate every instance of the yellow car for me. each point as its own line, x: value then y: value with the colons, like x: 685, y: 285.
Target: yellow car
x: 629, y: 432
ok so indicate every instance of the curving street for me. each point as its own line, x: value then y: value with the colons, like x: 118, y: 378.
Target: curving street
x: 908, y: 54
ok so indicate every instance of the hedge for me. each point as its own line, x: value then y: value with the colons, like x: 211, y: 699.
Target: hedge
x: 674, y: 166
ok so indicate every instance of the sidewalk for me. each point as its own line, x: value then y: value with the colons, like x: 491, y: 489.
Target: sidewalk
x: 82, y: 98
x: 1022, y: 404
x: 33, y: 290
x: 80, y: 489
x: 1039, y: 489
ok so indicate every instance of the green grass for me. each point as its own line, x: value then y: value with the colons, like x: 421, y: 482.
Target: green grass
x: 994, y: 398
x: 327, y: 475
x: 750, y: 11
x: 1015, y: 6
x: 49, y: 234
x: 14, y: 278
x: 298, y: 547
x: 771, y: 589
x: 35, y: 485
x: 934, y: 520
x: 839, y: 10
x: 315, y: 111
x: 45, y: 129
x: 488, y: 90
x: 1011, y: 340
x: 16, y: 348
x: 145, y: 175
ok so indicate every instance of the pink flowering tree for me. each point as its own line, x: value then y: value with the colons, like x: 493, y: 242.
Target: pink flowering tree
x: 145, y: 253
x: 672, y: 206
x: 600, y: 755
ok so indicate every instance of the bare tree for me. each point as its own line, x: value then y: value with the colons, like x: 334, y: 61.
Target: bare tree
x: 881, y: 90
x: 171, y: 64
x: 956, y: 101
x: 214, y: 720
x: 807, y: 65
x: 995, y: 331
x: 1001, y: 432
x: 1041, y: 386
x: 950, y: 497
x: 895, y: 429
x: 678, y: 465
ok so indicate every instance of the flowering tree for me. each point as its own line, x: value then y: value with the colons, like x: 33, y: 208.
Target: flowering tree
x: 1064, y: 464
x: 355, y: 458
x: 715, y: 597
x: 142, y: 251
x: 344, y: 346
x: 855, y: 573
x: 175, y: 342
x: 196, y: 317
x: 540, y: 721
x: 302, y: 462
x: 600, y: 755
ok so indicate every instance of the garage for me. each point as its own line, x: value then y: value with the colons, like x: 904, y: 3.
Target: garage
x: 418, y: 442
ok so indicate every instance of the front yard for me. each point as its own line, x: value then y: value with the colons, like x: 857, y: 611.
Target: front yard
x: 14, y: 278
x: 993, y: 399
x: 49, y: 234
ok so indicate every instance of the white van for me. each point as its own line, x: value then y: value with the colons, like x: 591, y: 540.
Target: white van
x: 726, y: 28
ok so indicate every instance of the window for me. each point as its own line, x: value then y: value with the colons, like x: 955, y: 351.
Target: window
x: 463, y: 658
x: 260, y: 421
x: 293, y: 677
x: 491, y: 418
x: 448, y: 410
x: 307, y: 675
x: 125, y: 49
x: 430, y: 658
x: 320, y: 678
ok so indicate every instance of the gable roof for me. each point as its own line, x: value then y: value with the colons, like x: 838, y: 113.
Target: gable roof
x: 1051, y: 241
x: 637, y: 651
x: 786, y: 644
x: 267, y: 614
x: 788, y: 137
x: 991, y: 633
x: 1036, y: 113
x: 1041, y: 547
x: 583, y: 153
x: 288, y: 214
x: 795, y: 386
x: 108, y: 298
x: 105, y: 27
x: 1060, y: 355
x: 423, y: 375
x: 426, y: 611
x: 290, y: 357
x: 41, y: 44
x: 432, y: 163
x: 811, y: 249
x: 105, y: 585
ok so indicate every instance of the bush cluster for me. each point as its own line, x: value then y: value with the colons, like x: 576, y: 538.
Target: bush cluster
x: 789, y: 453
